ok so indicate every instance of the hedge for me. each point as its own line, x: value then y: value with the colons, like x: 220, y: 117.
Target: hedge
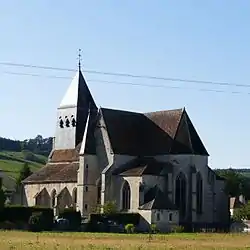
x: 73, y: 216
x: 119, y: 218
x: 22, y: 214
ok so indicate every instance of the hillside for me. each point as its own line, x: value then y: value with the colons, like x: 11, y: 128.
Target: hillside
x: 13, y: 154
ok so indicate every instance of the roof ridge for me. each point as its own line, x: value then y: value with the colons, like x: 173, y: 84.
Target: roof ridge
x: 177, y: 109
x: 120, y: 110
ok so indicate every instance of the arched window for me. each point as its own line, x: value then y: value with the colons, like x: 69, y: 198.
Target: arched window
x: 53, y: 198
x: 74, y: 196
x: 60, y: 122
x: 126, y: 194
x: 73, y: 121
x: 180, y: 194
x: 67, y: 122
x: 199, y: 193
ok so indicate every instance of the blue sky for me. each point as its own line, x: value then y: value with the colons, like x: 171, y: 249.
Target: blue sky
x: 204, y: 40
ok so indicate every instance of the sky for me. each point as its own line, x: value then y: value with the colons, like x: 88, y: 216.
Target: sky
x: 197, y: 40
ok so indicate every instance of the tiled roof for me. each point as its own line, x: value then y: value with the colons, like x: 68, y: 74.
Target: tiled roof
x: 61, y: 167
x: 65, y: 155
x: 167, y: 120
x: 156, y: 199
x: 54, y: 172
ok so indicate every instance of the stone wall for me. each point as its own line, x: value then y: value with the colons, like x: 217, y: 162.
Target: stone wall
x: 32, y: 190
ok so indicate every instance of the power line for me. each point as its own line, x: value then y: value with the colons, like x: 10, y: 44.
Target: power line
x: 129, y: 83
x: 127, y: 75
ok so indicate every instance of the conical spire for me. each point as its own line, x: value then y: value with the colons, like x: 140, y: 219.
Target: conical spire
x: 73, y: 112
x: 78, y: 93
x: 71, y: 96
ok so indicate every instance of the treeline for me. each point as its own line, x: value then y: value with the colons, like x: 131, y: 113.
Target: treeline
x: 38, y: 145
x: 236, y: 182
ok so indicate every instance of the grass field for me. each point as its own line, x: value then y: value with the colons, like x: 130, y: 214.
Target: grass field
x: 12, y: 162
x: 62, y: 241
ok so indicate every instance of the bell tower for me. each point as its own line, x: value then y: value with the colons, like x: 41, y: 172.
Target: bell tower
x: 72, y: 113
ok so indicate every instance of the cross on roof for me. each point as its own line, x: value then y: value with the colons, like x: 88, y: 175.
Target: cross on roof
x: 79, y: 59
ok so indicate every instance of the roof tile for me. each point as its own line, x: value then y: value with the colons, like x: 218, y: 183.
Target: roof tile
x: 61, y: 172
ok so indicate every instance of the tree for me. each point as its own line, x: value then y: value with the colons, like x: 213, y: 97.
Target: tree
x: 242, y: 213
x: 24, y: 173
x: 109, y: 207
x: 234, y: 181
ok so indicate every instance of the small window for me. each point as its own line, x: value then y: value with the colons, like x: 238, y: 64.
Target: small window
x: 87, y: 166
x: 170, y: 217
x: 86, y: 207
x: 86, y: 189
x: 158, y: 217
x: 67, y: 123
x: 73, y: 122
x: 61, y: 123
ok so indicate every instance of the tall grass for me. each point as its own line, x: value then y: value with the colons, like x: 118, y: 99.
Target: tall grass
x: 69, y: 241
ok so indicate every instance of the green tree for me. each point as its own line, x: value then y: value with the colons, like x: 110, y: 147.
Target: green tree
x: 24, y: 173
x: 242, y: 213
x: 109, y: 207
x: 233, y: 181
x: 236, y: 183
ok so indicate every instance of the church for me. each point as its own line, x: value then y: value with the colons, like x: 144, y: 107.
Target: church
x: 154, y: 164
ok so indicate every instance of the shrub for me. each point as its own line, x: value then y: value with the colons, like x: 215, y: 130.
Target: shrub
x: 109, y: 208
x: 73, y: 216
x: 119, y: 218
x: 7, y: 225
x: 154, y: 229
x: 178, y: 229
x: 36, y: 223
x: 21, y: 214
x: 130, y: 228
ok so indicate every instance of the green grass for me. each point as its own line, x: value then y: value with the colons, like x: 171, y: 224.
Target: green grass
x: 12, y: 162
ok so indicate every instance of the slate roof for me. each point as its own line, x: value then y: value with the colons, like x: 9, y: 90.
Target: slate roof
x: 156, y: 199
x: 90, y: 146
x: 150, y: 134
x: 143, y: 166
x: 78, y: 93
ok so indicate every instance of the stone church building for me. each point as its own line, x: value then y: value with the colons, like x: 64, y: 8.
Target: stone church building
x: 154, y: 164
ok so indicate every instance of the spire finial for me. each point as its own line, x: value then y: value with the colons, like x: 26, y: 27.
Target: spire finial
x: 79, y: 59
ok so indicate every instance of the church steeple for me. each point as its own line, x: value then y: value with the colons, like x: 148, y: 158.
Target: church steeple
x: 73, y: 112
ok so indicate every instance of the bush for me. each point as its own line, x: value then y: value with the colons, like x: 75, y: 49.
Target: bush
x: 154, y: 229
x: 73, y: 216
x: 21, y: 214
x: 7, y: 225
x: 109, y: 208
x: 119, y: 218
x: 178, y: 229
x: 130, y: 228
x: 36, y: 222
